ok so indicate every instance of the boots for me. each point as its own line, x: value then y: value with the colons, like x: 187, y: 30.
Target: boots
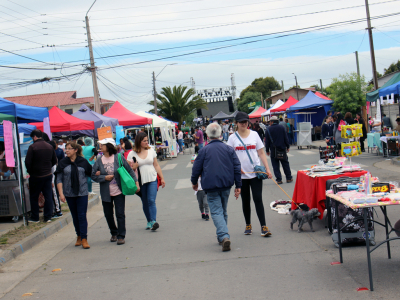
x: 85, y: 244
x: 78, y: 241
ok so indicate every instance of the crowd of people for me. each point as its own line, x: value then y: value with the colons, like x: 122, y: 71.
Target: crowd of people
x: 72, y: 166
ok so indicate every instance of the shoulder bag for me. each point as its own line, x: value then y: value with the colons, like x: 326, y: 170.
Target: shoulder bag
x: 128, y: 185
x: 279, y: 154
x: 260, y: 171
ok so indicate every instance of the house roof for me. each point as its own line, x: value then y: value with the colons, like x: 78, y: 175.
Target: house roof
x: 292, y: 88
x: 53, y: 99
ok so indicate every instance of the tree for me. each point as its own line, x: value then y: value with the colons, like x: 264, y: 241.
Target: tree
x: 394, y: 67
x: 348, y: 92
x: 248, y: 98
x: 262, y: 85
x: 176, y: 103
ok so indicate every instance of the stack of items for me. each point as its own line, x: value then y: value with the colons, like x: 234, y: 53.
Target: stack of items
x: 332, y: 167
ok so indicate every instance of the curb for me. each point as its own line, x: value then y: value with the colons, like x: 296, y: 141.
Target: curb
x: 29, y: 242
x: 395, y: 161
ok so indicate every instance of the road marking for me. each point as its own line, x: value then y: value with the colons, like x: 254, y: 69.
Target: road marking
x: 189, y: 165
x: 169, y: 167
x: 183, y: 184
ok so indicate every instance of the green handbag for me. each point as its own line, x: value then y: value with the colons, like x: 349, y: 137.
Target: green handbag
x: 128, y: 185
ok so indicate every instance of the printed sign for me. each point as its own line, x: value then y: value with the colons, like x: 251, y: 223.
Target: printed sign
x: 8, y: 144
x: 253, y: 104
x: 104, y: 132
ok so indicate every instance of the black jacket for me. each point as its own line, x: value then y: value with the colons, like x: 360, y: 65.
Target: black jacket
x: 279, y: 135
x: 40, y: 158
x: 327, y: 130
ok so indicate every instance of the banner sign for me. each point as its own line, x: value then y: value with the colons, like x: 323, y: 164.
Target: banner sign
x: 253, y: 104
x: 8, y: 144
x: 104, y: 132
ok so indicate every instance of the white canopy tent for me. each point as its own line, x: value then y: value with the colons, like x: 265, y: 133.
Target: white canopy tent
x: 166, y: 128
x: 276, y: 105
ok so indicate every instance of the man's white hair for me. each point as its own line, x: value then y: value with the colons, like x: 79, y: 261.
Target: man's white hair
x: 213, y: 131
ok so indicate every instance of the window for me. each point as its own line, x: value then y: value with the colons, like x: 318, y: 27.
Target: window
x: 69, y: 111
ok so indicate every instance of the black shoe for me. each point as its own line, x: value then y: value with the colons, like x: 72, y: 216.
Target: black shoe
x: 203, y: 216
x: 207, y: 217
x: 155, y: 226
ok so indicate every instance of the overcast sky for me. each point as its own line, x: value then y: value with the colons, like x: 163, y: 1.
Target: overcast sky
x: 210, y: 40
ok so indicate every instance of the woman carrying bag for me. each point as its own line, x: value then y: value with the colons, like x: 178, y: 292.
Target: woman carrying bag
x: 146, y: 161
x: 250, y: 180
x: 105, y: 172
x: 72, y: 187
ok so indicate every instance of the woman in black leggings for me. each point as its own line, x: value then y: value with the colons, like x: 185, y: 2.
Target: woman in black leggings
x: 255, y: 148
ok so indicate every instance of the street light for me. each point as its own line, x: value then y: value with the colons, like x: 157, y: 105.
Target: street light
x: 297, y: 87
x: 154, y: 86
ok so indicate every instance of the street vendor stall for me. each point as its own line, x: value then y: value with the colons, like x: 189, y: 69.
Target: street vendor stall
x: 14, y: 196
x: 61, y: 121
x: 277, y: 104
x: 125, y: 117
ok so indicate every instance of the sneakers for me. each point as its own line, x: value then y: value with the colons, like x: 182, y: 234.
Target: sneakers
x: 206, y: 217
x: 57, y: 215
x: 47, y: 221
x: 149, y: 225
x: 226, y: 245
x: 154, y: 226
x: 203, y: 216
x: 30, y: 220
x: 265, y: 231
x: 248, y: 230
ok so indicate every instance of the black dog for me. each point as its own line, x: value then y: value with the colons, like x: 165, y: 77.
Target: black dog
x: 304, y: 216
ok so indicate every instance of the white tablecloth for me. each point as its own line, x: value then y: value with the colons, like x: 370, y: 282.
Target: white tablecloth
x: 385, y: 138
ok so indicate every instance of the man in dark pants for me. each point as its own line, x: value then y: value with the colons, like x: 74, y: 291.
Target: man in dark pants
x: 276, y: 137
x: 39, y: 160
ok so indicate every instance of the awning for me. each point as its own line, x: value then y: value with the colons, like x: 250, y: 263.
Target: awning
x: 257, y: 113
x: 221, y: 116
x: 373, y: 96
x: 61, y: 121
x: 157, y: 121
x: 125, y: 117
x: 24, y: 113
x: 276, y: 105
x: 310, y: 101
x: 291, y: 101
x: 391, y: 89
x: 322, y: 96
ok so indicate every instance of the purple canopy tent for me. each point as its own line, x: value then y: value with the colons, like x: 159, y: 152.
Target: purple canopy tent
x: 85, y: 113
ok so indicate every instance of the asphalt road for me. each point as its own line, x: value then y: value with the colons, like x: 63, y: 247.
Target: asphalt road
x: 182, y: 260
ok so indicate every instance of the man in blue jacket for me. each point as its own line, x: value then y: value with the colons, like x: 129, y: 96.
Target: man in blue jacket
x: 220, y: 168
x: 276, y: 138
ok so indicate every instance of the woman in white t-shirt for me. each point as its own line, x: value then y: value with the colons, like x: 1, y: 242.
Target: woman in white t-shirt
x: 146, y: 161
x: 255, y: 147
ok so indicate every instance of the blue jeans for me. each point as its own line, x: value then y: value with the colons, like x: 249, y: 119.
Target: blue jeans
x: 225, y: 136
x: 149, y: 194
x: 89, y: 184
x: 218, y: 203
x: 78, y: 207
x: 180, y: 142
x: 201, y: 145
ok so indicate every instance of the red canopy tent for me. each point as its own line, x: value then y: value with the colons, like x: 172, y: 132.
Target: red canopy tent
x: 61, y: 121
x: 321, y: 96
x: 257, y: 113
x: 125, y: 117
x: 291, y: 101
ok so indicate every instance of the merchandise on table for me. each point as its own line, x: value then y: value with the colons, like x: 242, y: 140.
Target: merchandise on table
x: 351, y: 131
x: 351, y: 149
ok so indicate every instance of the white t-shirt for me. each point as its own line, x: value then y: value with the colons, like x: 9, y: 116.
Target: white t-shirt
x: 377, y: 128
x: 253, y: 143
x: 180, y: 135
x: 147, y: 171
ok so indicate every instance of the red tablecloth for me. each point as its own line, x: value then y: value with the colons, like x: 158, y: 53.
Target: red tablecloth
x: 311, y: 191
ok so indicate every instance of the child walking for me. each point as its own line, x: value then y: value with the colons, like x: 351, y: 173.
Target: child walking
x: 203, y: 204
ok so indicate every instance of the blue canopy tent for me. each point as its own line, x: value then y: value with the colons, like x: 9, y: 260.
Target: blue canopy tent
x: 391, y: 89
x: 313, y: 104
x: 23, y: 114
x: 22, y: 128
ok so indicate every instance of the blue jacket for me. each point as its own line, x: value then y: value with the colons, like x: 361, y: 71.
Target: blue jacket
x: 279, y: 135
x: 218, y: 166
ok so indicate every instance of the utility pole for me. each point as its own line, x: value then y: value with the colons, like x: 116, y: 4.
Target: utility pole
x: 92, y: 65
x: 283, y: 92
x: 154, y: 93
x: 371, y: 46
x: 358, y: 65
x: 320, y: 81
x: 297, y: 87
